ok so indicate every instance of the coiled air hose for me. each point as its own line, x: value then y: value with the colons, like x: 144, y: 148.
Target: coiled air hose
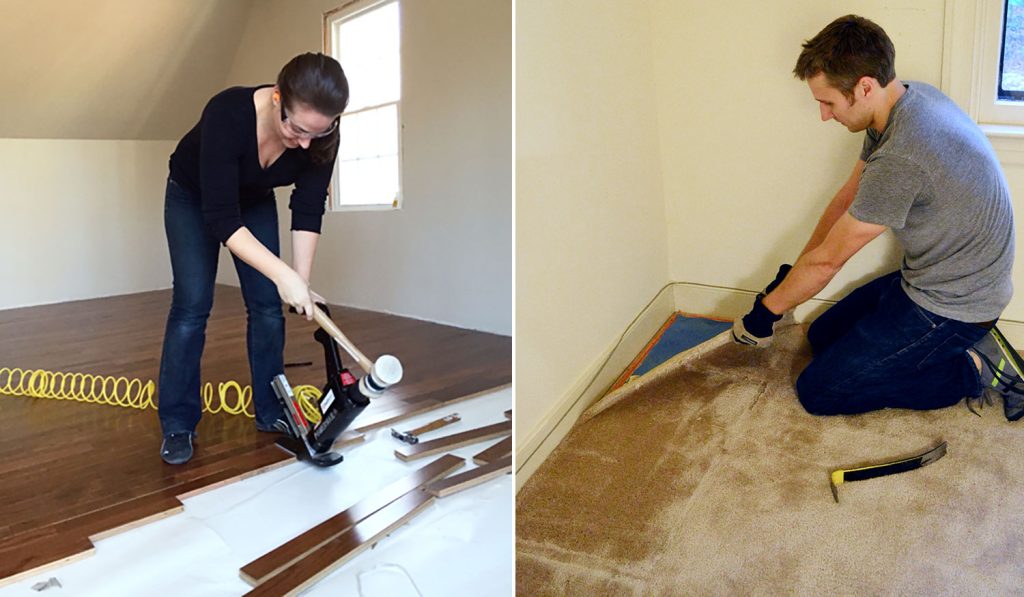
x: 230, y: 397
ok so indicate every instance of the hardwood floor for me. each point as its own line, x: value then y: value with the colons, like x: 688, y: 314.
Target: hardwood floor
x: 70, y: 471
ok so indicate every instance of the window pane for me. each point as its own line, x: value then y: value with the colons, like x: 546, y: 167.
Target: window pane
x: 370, y: 133
x: 368, y: 48
x: 371, y: 181
x: 1012, y: 76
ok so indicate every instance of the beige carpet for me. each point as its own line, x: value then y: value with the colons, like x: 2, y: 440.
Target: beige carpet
x: 714, y: 481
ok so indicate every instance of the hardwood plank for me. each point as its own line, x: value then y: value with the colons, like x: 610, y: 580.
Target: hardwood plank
x: 471, y: 478
x: 408, y: 410
x: 454, y: 441
x: 336, y: 552
x: 269, y: 564
x: 108, y: 469
x: 498, y: 451
x: 34, y: 557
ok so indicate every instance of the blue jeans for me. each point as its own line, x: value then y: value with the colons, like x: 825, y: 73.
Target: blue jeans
x: 877, y: 349
x: 194, y: 255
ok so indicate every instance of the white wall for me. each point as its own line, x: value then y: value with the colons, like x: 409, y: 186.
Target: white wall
x: 446, y: 256
x: 590, y: 228
x: 81, y: 219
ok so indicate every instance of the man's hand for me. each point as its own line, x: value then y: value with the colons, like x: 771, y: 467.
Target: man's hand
x: 756, y: 328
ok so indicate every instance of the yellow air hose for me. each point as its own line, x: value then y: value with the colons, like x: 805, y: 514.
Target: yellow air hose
x: 230, y: 397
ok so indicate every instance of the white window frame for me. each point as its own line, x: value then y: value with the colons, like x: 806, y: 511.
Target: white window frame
x: 342, y: 13
x: 970, y: 64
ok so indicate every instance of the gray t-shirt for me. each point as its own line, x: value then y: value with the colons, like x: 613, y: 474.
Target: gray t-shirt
x: 933, y: 178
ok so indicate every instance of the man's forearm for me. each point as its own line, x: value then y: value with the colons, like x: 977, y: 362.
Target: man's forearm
x: 303, y: 251
x: 808, y: 277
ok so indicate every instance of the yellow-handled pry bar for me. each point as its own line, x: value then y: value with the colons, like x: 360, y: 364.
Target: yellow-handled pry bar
x: 840, y: 476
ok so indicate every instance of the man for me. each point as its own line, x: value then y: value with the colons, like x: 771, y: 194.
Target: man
x: 923, y: 337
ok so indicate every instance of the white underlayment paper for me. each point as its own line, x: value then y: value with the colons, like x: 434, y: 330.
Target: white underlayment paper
x: 457, y: 546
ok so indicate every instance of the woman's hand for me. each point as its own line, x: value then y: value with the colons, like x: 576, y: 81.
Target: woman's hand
x: 295, y: 292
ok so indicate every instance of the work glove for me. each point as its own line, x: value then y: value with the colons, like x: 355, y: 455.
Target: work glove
x: 756, y: 328
x: 779, y: 277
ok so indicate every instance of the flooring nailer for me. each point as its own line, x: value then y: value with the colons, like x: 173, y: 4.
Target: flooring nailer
x: 344, y: 396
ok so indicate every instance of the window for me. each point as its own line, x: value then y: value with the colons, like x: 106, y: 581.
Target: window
x: 364, y: 36
x: 977, y: 52
x: 1011, y: 53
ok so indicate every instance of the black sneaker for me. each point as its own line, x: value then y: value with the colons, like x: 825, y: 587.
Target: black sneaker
x: 278, y: 426
x: 1002, y: 371
x: 177, y: 448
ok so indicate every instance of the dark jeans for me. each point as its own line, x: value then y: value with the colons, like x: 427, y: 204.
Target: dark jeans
x: 194, y: 255
x: 877, y: 349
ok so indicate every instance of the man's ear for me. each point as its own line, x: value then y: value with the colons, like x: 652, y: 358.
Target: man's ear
x: 867, y: 85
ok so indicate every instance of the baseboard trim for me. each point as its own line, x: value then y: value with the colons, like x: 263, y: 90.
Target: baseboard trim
x: 603, y: 370
x: 696, y: 299
x: 730, y: 303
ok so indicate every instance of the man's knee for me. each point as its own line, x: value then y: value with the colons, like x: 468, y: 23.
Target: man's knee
x: 815, y: 337
x: 815, y: 399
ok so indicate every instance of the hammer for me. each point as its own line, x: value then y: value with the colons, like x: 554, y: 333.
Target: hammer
x: 411, y: 437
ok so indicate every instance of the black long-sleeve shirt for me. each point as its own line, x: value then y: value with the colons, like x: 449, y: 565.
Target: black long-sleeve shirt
x: 219, y: 161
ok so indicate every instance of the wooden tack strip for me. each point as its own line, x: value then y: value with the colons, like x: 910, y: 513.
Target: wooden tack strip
x: 271, y: 563
x: 508, y: 414
x: 480, y: 474
x: 339, y: 550
x: 454, y: 441
x: 496, y: 452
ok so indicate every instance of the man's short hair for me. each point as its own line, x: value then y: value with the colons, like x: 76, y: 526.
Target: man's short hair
x: 847, y: 49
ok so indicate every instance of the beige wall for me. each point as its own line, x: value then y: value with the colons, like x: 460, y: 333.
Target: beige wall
x: 700, y: 96
x: 112, y: 69
x: 95, y: 94
x: 590, y: 227
x: 81, y: 219
x: 747, y: 164
x: 447, y: 254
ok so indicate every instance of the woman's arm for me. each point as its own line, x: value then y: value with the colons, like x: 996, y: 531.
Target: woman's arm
x: 304, y: 245
x: 291, y: 285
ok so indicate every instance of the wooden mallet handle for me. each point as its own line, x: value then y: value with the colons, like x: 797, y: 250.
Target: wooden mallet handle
x: 325, y: 322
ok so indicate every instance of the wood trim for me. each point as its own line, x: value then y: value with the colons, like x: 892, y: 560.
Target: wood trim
x: 454, y: 441
x: 480, y: 474
x: 266, y: 566
x: 508, y: 414
x: 339, y: 550
x: 502, y: 449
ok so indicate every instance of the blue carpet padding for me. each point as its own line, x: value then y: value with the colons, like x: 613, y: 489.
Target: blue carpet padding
x: 684, y: 333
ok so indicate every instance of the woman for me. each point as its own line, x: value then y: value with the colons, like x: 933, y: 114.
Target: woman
x: 248, y: 141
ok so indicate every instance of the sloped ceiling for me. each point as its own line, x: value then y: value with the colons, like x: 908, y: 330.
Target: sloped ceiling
x: 113, y: 69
